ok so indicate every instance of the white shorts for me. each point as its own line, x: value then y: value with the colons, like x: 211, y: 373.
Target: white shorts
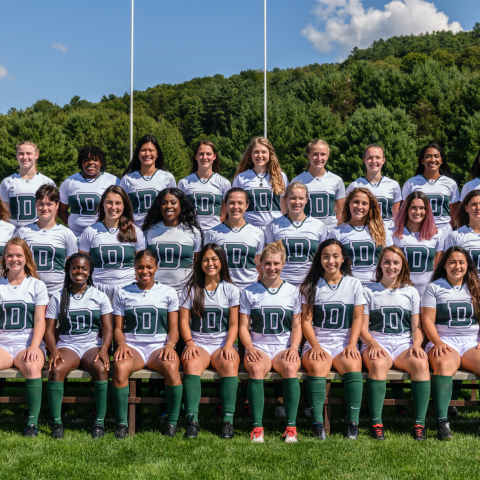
x: 459, y: 343
x: 14, y: 348
x: 145, y: 349
x: 331, y: 345
x: 394, y: 346
x: 210, y: 345
x: 80, y: 347
x: 110, y: 289
x: 271, y: 349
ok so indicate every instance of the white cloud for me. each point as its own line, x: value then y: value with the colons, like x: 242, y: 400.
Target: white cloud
x: 4, y: 73
x: 59, y: 46
x: 347, y: 24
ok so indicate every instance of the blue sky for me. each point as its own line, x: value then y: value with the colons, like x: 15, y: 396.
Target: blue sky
x: 176, y: 40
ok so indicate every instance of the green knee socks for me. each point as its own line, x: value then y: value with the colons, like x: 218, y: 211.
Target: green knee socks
x: 291, y: 398
x: 174, y: 401
x: 420, y: 397
x: 55, y: 397
x: 120, y: 404
x: 256, y: 400
x: 228, y: 396
x: 192, y: 388
x: 316, y: 393
x: 376, y: 390
x: 33, y: 392
x: 352, y: 392
x: 100, y: 391
x: 442, y: 387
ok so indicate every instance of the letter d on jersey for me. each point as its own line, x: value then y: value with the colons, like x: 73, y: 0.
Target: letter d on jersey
x: 273, y: 320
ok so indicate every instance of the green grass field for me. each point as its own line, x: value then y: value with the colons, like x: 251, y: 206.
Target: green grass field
x: 148, y: 454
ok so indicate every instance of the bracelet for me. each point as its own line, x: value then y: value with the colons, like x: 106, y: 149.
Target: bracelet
x: 190, y: 340
x: 174, y: 345
x: 373, y: 343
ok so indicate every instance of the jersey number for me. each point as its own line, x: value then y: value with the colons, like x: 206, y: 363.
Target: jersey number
x: 392, y: 320
x: 417, y: 258
x: 204, y: 204
x: 273, y: 318
x: 112, y: 256
x: 147, y: 319
x: 333, y: 316
x: 43, y: 256
x: 461, y: 314
x: 15, y: 315
x: 145, y: 200
x: 363, y: 254
x: 88, y: 203
x: 169, y: 255
x: 236, y: 254
x: 80, y: 322
x: 298, y: 250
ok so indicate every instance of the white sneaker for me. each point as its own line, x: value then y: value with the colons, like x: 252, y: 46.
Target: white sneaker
x: 290, y: 435
x: 280, y: 412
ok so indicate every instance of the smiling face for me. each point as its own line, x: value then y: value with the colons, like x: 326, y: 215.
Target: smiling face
x: 391, y: 265
x: 359, y: 206
x: 170, y: 207
x: 272, y: 266
x: 260, y: 155
x: 432, y: 160
x: 296, y: 200
x: 91, y: 167
x: 211, y: 264
x: 113, y: 206
x: 473, y: 208
x: 145, y: 270
x: 46, y: 209
x: 318, y: 156
x: 331, y: 259
x: 26, y: 156
x: 417, y: 211
x: 79, y: 271
x: 147, y: 154
x: 456, y: 267
x: 374, y: 159
x: 205, y: 156
x: 236, y: 205
x: 14, y: 258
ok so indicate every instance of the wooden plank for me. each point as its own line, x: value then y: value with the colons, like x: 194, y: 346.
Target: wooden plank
x: 131, y: 408
x: 328, y: 409
x: 13, y: 400
x: 78, y: 400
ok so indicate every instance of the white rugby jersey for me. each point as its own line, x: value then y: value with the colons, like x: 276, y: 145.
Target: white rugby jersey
x: 419, y: 256
x: 214, y: 323
x: 145, y: 312
x: 241, y: 245
x: 83, y: 197
x: 175, y: 247
x: 301, y: 241
x: 455, y: 314
x: 263, y: 205
x: 469, y: 186
x: 17, y: 308
x: 84, y: 315
x: 361, y: 249
x: 466, y: 238
x: 441, y: 192
x: 50, y: 249
x: 390, y: 310
x: 20, y: 194
x: 271, y: 311
x: 143, y: 191
x: 7, y: 231
x: 386, y: 191
x: 333, y: 309
x: 322, y: 193
x: 113, y: 260
x: 206, y: 196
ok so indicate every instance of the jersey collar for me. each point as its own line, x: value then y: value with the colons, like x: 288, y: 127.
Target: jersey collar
x: 201, y: 180
x: 109, y: 230
x: 446, y: 279
x: 268, y: 290
x: 378, y: 184
x: 91, y: 180
x: 358, y: 229
x: 237, y: 230
x: 430, y: 182
x: 151, y: 176
x: 301, y: 224
x: 338, y: 285
x: 83, y: 294
x: 209, y: 293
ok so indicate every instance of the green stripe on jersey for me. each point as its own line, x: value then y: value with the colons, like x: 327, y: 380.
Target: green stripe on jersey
x: 206, y: 204
x: 146, y: 320
x: 386, y: 206
x: 263, y: 200
x: 419, y: 258
x: 49, y: 258
x: 363, y: 253
x: 391, y: 320
x: 82, y: 321
x: 173, y: 255
x: 333, y: 316
x: 113, y: 256
x: 320, y: 205
x: 456, y: 314
x: 240, y: 255
x: 271, y: 320
x: 84, y: 204
x: 23, y: 208
x: 300, y: 250
x: 142, y: 200
x: 440, y: 205
x: 16, y: 315
x: 215, y: 320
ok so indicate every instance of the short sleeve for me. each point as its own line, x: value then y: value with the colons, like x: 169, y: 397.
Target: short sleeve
x: 322, y: 231
x: 118, y: 305
x: 237, y: 182
x: 234, y: 296
x: 197, y: 241
x: 4, y: 192
x: 350, y: 188
x: 19, y: 232
x: 117, y: 181
x: 261, y: 244
x: 226, y: 186
x: 407, y: 189
x: 269, y: 236
x: 440, y: 246
x: 186, y: 300
x: 71, y: 241
x: 285, y: 180
x: 367, y: 293
x: 52, y: 308
x: 245, y: 306
x: 450, y: 241
x: 429, y: 299
x: 455, y: 194
x: 105, y: 305
x: 141, y: 242
x: 85, y: 240
x: 297, y: 306
x: 388, y: 238
x: 172, y: 301
x: 333, y: 233
x: 465, y: 190
x: 181, y: 185
x: 64, y: 191
x: 124, y: 183
x: 340, y: 193
x: 209, y: 237
x: 415, y: 301
x: 358, y: 296
x: 41, y: 293
x: 397, y: 193
x: 171, y: 182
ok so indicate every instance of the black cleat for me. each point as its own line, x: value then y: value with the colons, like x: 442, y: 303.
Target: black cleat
x: 443, y: 429
x: 376, y: 431
x: 352, y: 431
x: 171, y: 430
x: 453, y: 411
x: 227, y: 430
x: 419, y: 433
x: 31, y: 431
x: 247, y: 412
x: 192, y: 429
x: 318, y: 430
x: 57, y: 431
x: 98, y: 431
x: 121, y: 431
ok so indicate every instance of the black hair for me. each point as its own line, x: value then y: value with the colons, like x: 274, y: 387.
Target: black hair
x: 475, y: 170
x: 91, y: 152
x: 146, y: 253
x: 444, y: 167
x: 135, y: 163
x: 49, y: 191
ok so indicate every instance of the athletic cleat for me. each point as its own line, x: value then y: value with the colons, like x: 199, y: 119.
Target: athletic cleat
x: 318, y: 430
x: 31, y: 431
x: 443, y: 429
x: 192, y: 429
x: 98, y: 431
x: 453, y: 411
x: 227, y: 430
x: 280, y: 412
x: 257, y: 435
x: 419, y: 433
x: 121, y: 431
x: 352, y: 431
x: 218, y: 412
x: 376, y: 431
x: 57, y: 431
x: 171, y: 430
x: 290, y: 435
x: 247, y: 412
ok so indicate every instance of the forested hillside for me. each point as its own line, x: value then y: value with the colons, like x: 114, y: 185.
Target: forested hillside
x: 403, y: 93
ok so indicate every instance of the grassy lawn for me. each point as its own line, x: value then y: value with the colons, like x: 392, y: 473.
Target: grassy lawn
x: 148, y: 454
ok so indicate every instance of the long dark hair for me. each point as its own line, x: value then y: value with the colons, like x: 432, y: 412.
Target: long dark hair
x: 462, y: 217
x: 135, y: 163
x: 126, y: 227
x: 316, y: 272
x: 67, y: 287
x: 91, y: 152
x: 216, y: 162
x: 196, y: 280
x: 444, y: 167
x: 470, y: 278
x: 475, y: 170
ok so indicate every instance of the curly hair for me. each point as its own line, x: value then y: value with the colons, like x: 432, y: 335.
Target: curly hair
x: 91, y: 152
x: 30, y: 266
x: 462, y: 217
x: 135, y: 164
x: 216, y: 162
x: 403, y: 279
x: 4, y: 214
x: 444, y: 167
x: 274, y: 248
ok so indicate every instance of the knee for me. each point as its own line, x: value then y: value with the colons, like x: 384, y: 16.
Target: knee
x: 32, y: 369
x: 290, y: 370
x: 256, y: 369
x: 121, y: 371
x: 98, y: 371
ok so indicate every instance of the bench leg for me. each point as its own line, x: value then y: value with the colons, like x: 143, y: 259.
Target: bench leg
x: 327, y: 407
x: 473, y: 392
x: 131, y: 408
x: 138, y: 407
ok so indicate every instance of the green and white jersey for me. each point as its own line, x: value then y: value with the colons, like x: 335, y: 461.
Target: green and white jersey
x: 301, y: 241
x: 145, y: 312
x: 455, y: 313
x: 361, y: 249
x: 263, y: 205
x: 143, y: 191
x: 333, y: 309
x: 84, y: 315
x: 390, y: 310
x: 322, y: 193
x: 470, y: 186
x: 441, y: 192
x: 50, y: 249
x: 113, y: 260
x: 7, y: 231
x: 241, y: 245
x: 83, y: 197
x: 271, y: 311
x: 419, y: 256
x: 17, y: 308
x: 175, y: 247
x: 20, y: 194
x: 466, y: 238
x: 386, y: 191
x: 214, y: 323
x: 206, y: 196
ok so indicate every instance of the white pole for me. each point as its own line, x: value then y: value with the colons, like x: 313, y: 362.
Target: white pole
x: 265, y: 68
x: 131, y: 89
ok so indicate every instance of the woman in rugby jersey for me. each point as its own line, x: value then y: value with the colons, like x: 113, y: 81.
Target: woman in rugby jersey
x: 300, y: 234
x: 450, y: 313
x: 270, y: 330
x: 417, y: 236
x: 386, y: 191
x: 392, y: 336
x: 145, y: 176
x: 172, y: 231
x: 78, y: 314
x: 81, y: 192
x: 332, y: 312
x: 326, y: 191
x: 473, y: 184
x: 112, y: 242
x: 23, y: 300
x: 205, y: 188
x: 363, y: 233
x: 209, y: 325
x: 260, y: 175
x: 51, y: 243
x: 17, y: 191
x: 6, y: 228
x: 243, y: 243
x: 434, y: 178
x: 146, y: 332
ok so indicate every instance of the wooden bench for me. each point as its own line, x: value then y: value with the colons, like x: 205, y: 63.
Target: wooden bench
x: 396, y: 378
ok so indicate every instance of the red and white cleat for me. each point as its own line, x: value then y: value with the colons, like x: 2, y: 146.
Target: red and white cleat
x: 257, y: 435
x: 290, y: 435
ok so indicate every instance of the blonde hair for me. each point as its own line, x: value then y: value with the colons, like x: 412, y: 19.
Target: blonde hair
x: 317, y: 141
x: 30, y: 267
x: 293, y: 185
x: 273, y: 165
x: 274, y: 248
x: 373, y: 218
x: 27, y: 142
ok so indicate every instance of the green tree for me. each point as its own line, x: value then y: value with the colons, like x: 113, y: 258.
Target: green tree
x: 412, y: 60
